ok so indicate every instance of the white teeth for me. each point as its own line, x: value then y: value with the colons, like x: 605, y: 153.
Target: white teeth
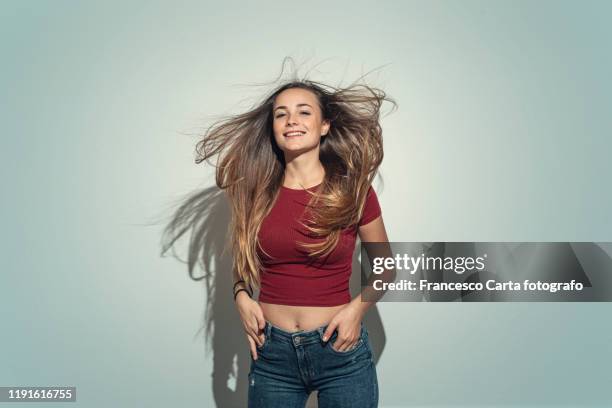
x: 294, y: 133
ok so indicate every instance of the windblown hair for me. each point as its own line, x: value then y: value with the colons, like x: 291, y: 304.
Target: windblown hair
x: 250, y: 168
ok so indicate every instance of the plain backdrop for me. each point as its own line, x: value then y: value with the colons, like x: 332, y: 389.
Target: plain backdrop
x: 502, y: 133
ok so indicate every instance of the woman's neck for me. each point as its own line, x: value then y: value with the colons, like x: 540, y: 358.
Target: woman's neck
x: 303, y: 174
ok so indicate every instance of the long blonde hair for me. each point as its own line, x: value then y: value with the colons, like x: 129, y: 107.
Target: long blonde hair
x: 250, y: 167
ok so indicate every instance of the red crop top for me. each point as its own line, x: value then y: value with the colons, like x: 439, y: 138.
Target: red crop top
x: 287, y: 276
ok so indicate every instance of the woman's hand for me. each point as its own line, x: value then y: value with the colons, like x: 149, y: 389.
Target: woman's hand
x: 348, y: 323
x: 252, y: 319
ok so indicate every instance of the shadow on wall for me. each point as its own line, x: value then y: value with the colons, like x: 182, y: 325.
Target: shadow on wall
x: 203, y: 219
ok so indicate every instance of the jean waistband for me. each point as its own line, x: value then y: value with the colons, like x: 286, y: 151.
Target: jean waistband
x: 298, y: 337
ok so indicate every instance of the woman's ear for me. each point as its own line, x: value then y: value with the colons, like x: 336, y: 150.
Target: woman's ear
x: 325, y: 127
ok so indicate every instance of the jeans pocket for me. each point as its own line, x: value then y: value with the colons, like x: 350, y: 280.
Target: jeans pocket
x: 359, y: 345
x: 266, y: 334
x: 347, y: 352
x: 263, y: 345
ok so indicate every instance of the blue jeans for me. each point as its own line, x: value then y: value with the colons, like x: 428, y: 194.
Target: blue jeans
x: 291, y: 365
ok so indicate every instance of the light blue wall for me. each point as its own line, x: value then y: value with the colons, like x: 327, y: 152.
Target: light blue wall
x: 502, y: 134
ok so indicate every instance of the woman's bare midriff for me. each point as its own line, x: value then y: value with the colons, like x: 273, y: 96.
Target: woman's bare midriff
x: 296, y: 318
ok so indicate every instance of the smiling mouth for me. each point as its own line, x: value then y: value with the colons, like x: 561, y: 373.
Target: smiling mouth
x: 294, y: 134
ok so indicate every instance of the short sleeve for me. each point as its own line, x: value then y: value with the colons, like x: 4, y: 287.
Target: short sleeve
x: 371, y: 209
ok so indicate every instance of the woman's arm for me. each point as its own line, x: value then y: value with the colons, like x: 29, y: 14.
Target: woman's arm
x: 250, y: 313
x: 240, y: 285
x: 374, y: 232
x: 350, y: 316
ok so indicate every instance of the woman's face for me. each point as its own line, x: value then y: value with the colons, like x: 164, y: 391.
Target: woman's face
x: 297, y: 121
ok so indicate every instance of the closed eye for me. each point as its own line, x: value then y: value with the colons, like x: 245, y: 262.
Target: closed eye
x: 282, y: 114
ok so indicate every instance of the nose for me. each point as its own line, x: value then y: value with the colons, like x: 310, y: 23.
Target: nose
x: 291, y: 120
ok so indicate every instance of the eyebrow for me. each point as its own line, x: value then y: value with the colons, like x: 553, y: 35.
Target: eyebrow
x: 284, y: 107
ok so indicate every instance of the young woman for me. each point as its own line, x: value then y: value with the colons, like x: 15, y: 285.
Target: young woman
x: 297, y: 171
